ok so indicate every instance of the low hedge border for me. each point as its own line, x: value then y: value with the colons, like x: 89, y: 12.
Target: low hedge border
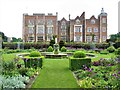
x: 77, y: 63
x: 33, y: 62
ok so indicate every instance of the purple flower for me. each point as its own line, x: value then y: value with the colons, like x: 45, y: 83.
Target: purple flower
x: 101, y: 59
x: 109, y: 64
x: 90, y: 70
x: 114, y: 74
x: 119, y: 72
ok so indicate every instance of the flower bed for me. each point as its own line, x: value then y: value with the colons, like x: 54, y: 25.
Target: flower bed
x: 106, y: 74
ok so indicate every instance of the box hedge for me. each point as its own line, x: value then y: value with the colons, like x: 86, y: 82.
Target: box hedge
x: 77, y: 63
x: 33, y: 62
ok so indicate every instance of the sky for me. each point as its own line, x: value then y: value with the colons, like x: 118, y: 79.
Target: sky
x: 11, y: 12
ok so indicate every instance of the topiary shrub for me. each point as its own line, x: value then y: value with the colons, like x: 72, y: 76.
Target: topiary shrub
x: 111, y: 49
x: 35, y: 54
x: 77, y: 63
x: 35, y: 62
x: 63, y: 49
x: 117, y: 51
x: 79, y: 54
x: 50, y: 49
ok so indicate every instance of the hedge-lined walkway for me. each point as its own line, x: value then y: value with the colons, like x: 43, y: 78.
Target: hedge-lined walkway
x: 55, y: 74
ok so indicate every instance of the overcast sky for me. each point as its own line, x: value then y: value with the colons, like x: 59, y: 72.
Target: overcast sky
x: 11, y: 12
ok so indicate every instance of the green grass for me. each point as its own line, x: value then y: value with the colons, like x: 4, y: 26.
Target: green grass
x: 55, y: 74
x: 98, y: 56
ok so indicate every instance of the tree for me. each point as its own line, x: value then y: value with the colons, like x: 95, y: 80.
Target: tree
x: 93, y: 35
x: 115, y: 37
x: 14, y: 39
x: 4, y: 38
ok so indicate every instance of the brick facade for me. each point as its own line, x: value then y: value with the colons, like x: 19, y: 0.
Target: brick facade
x: 41, y: 28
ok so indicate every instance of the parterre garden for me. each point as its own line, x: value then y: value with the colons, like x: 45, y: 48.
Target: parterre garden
x: 29, y: 69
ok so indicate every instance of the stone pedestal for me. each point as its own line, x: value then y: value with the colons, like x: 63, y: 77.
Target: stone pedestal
x: 56, y: 48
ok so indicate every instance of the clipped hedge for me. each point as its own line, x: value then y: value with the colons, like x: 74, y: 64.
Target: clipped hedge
x: 117, y: 51
x: 111, y: 49
x: 77, y: 63
x: 33, y: 62
x: 79, y: 54
x: 63, y: 49
x: 50, y: 49
x: 35, y: 54
x: 104, y: 52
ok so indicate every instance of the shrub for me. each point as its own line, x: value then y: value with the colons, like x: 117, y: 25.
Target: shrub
x: 33, y: 62
x: 50, y: 49
x: 111, y: 49
x: 79, y: 54
x: 104, y: 52
x: 52, y: 42
x: 13, y: 82
x: 8, y: 67
x: 63, y: 49
x: 77, y: 63
x: 118, y: 51
x: 23, y: 71
x: 35, y: 54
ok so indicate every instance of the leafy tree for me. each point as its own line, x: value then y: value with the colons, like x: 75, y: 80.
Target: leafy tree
x: 3, y: 37
x: 115, y: 37
x: 52, y: 42
x: 14, y: 39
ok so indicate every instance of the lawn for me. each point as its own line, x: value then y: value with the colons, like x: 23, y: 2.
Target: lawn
x: 55, y: 74
x: 98, y: 56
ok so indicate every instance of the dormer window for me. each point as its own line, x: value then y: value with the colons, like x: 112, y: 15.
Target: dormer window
x: 77, y: 21
x: 63, y: 23
x: 92, y: 21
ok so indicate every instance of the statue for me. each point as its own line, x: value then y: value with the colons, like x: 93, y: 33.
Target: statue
x: 56, y: 47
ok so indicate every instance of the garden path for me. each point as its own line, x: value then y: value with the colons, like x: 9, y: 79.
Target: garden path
x: 55, y: 74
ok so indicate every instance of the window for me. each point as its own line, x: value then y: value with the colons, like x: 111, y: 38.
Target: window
x: 63, y: 23
x: 95, y: 29
x: 40, y: 38
x: 89, y: 38
x: 49, y: 37
x: 104, y: 38
x: 49, y: 22
x: 40, y: 30
x: 63, y: 28
x: 77, y: 21
x: 31, y: 22
x: 77, y: 38
x: 40, y: 22
x: 77, y: 29
x: 95, y: 38
x: 103, y: 20
x: 30, y: 30
x: 89, y: 29
x: 104, y: 29
x: 30, y: 39
x: 50, y: 30
x: 92, y: 21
